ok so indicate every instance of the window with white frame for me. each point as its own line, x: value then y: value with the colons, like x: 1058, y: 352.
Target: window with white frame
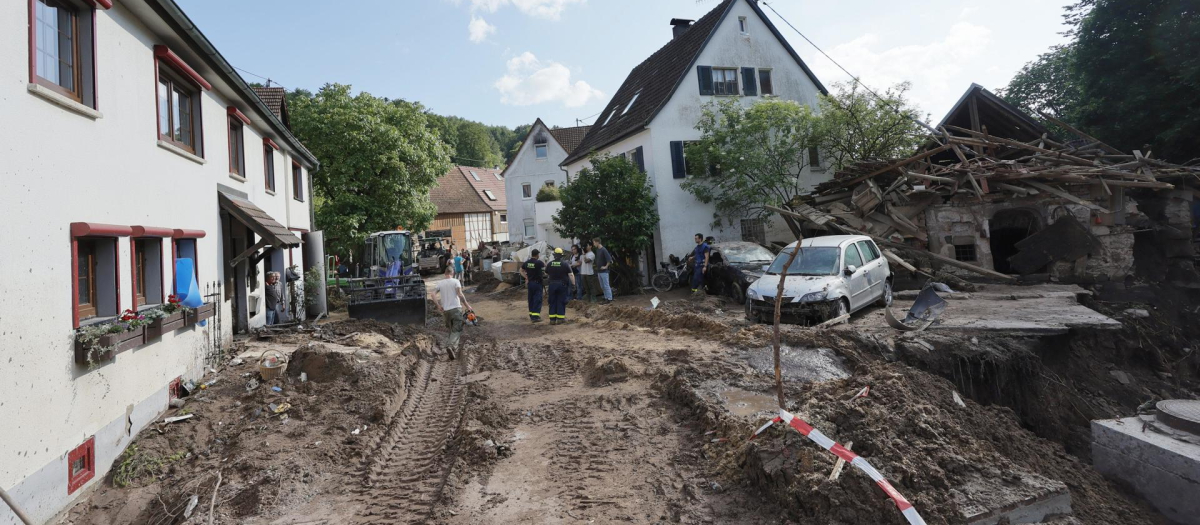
x: 631, y: 101
x: 540, y: 147
x: 725, y: 81
x: 491, y: 196
x: 526, y: 191
x: 529, y: 231
x: 742, y: 25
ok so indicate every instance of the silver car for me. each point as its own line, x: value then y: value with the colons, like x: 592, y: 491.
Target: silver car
x: 831, y: 276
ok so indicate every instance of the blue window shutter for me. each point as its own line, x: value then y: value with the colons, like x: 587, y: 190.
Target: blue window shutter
x: 639, y: 159
x: 749, y: 80
x: 677, y: 168
x: 706, y: 82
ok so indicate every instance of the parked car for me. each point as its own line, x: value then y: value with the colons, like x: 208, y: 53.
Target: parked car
x: 831, y: 276
x: 733, y: 266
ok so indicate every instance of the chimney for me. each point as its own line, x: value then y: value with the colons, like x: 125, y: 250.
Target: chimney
x: 679, y: 26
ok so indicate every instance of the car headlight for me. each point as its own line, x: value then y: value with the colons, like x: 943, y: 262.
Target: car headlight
x: 753, y: 294
x: 813, y: 297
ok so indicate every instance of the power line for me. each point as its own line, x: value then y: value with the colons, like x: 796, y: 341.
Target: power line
x: 579, y: 121
x: 851, y: 75
x: 268, y: 79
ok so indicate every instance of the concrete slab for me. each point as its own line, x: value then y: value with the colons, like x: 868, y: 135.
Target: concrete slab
x: 1013, y: 497
x: 1158, y: 466
x: 1032, y: 310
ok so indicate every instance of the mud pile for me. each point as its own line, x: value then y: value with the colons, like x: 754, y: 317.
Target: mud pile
x: 948, y: 459
x: 689, y: 322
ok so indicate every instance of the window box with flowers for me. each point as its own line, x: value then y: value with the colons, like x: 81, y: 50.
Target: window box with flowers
x: 102, y: 342
x: 167, y: 318
x: 201, y: 313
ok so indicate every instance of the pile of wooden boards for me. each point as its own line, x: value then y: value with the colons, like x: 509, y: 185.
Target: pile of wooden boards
x: 887, y: 198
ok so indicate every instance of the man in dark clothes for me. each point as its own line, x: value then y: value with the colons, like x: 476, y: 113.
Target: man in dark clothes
x: 604, y: 259
x: 532, y: 272
x: 274, y: 297
x: 558, y: 272
x: 700, y: 256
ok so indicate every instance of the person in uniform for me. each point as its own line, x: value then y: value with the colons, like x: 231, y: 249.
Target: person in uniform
x: 559, y: 273
x: 532, y: 271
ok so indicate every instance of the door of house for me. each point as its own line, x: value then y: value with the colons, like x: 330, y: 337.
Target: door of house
x: 479, y: 229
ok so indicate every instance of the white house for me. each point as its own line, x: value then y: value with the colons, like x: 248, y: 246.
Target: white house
x: 128, y: 144
x: 733, y: 51
x: 535, y: 165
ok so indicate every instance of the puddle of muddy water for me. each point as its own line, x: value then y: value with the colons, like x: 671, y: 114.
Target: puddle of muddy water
x: 743, y: 403
x: 800, y: 364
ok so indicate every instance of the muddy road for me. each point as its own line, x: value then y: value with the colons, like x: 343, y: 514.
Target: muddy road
x: 623, y: 414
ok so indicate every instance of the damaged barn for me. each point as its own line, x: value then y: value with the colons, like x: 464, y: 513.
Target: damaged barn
x: 996, y: 194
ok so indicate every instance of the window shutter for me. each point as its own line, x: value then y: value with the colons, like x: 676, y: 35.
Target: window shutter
x: 639, y: 159
x: 706, y: 80
x: 751, y: 88
x: 677, y: 168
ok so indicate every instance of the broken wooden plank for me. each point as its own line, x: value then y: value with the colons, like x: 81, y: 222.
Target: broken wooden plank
x: 905, y: 228
x: 1023, y: 192
x: 1064, y: 195
x: 1081, y: 134
x: 899, y: 262
x: 893, y: 166
x: 836, y: 320
x: 841, y: 463
x: 931, y: 178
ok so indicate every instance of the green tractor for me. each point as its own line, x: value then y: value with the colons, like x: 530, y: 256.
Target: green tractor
x: 391, y: 288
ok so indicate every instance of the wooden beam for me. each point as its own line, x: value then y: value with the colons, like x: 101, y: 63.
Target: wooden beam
x: 899, y: 262
x: 891, y: 167
x: 1024, y: 192
x: 1081, y: 134
x: 932, y: 178
x: 1067, y: 196
x: 249, y: 251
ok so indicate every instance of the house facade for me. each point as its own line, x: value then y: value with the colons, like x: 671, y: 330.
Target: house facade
x: 535, y: 165
x: 131, y: 149
x: 732, y: 52
x: 471, y: 204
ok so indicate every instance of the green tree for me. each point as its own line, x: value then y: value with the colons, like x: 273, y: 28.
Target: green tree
x: 856, y: 125
x: 476, y: 147
x: 378, y: 161
x: 610, y: 200
x: 1049, y: 84
x: 1138, y: 64
x: 750, y: 157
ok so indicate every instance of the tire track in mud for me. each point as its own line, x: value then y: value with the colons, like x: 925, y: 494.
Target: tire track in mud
x: 404, y: 475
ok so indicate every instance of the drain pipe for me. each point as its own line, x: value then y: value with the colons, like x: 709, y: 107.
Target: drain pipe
x: 13, y: 505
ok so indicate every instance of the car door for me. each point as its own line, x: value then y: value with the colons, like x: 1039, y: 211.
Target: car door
x: 857, y: 281
x: 876, y: 271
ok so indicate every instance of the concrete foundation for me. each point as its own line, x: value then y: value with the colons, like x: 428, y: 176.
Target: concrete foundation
x: 1016, y: 497
x: 1159, y: 467
x: 1013, y: 310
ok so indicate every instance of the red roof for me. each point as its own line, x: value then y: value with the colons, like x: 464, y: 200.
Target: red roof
x: 458, y: 192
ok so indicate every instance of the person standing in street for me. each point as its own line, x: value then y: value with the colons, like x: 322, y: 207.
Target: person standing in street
x: 603, y: 260
x: 532, y: 272
x: 450, y: 300
x: 274, y: 297
x: 700, y: 260
x: 458, y: 267
x: 590, y: 285
x: 576, y: 268
x: 560, y: 278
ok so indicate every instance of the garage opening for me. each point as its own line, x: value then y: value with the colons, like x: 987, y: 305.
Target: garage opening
x: 1006, y: 229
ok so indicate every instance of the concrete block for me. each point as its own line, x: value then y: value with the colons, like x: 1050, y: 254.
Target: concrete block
x: 1160, y: 468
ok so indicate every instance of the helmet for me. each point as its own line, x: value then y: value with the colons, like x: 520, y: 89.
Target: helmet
x: 558, y: 251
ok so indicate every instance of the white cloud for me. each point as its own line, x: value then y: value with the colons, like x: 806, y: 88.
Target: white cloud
x: 531, y: 81
x: 479, y: 29
x: 548, y: 9
x: 937, y: 69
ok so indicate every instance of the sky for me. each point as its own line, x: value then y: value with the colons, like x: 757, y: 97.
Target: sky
x: 508, y: 62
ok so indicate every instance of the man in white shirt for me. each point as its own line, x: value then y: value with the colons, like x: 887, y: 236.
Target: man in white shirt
x: 448, y: 294
x: 588, y: 272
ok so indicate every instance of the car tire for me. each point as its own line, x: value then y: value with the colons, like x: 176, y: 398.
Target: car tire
x: 842, y: 308
x: 750, y: 312
x: 736, y: 293
x: 885, y: 299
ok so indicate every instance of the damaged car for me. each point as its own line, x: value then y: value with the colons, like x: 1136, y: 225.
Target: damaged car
x: 831, y: 276
x: 733, y: 267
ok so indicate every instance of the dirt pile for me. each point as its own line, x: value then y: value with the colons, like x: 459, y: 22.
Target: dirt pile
x: 689, y: 322
x: 485, y: 282
x: 283, y: 449
x: 599, y: 371
x: 949, y: 460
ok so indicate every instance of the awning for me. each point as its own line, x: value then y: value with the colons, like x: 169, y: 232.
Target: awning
x: 271, y: 232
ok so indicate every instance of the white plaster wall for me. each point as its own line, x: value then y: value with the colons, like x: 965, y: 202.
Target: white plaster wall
x: 526, y: 168
x: 680, y: 214
x: 60, y: 167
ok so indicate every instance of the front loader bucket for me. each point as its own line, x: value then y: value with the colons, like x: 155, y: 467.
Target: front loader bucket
x: 399, y: 299
x: 402, y: 311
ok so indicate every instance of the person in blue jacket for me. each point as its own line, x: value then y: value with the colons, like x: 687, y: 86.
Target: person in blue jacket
x: 532, y: 271
x: 700, y: 258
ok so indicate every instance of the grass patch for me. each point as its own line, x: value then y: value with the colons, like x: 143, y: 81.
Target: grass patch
x: 135, y: 465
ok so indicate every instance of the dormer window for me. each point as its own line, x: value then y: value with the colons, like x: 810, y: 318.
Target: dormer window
x: 491, y: 196
x: 610, y: 117
x: 631, y: 101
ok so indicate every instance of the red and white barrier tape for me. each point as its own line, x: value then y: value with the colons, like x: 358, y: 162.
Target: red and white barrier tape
x: 906, y: 508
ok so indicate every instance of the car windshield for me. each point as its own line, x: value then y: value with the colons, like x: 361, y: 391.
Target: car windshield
x: 820, y: 260
x: 746, y: 254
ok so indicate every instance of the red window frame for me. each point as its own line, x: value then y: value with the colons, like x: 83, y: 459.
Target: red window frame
x: 35, y: 78
x: 297, y: 182
x: 145, y: 232
x: 92, y: 230
x: 269, y: 148
x: 86, y: 453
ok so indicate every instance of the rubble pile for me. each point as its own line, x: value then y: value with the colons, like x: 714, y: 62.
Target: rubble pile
x: 991, y: 205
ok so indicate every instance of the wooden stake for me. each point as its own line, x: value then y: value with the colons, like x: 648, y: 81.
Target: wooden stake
x: 837, y: 467
x: 778, y: 310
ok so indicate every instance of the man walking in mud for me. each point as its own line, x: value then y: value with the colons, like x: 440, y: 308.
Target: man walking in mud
x: 532, y: 270
x: 448, y: 295
x: 559, y: 273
